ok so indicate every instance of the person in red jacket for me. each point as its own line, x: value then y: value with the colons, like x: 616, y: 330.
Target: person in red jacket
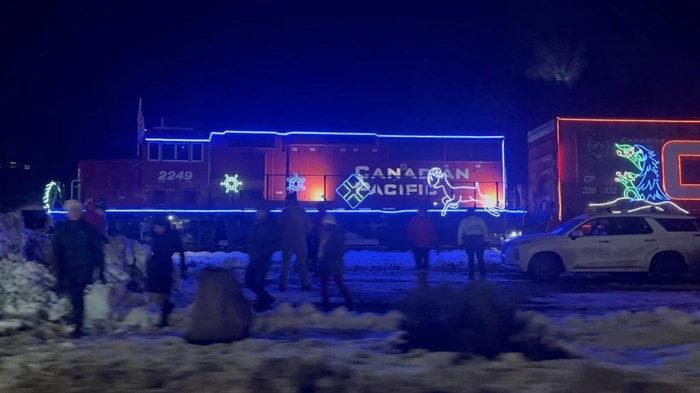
x: 422, y: 236
x: 95, y: 216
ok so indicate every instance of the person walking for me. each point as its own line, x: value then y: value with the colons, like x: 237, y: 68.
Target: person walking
x: 159, y: 284
x: 422, y: 236
x: 78, y: 252
x: 331, y: 253
x: 473, y: 234
x: 263, y: 241
x: 296, y: 225
x: 313, y: 237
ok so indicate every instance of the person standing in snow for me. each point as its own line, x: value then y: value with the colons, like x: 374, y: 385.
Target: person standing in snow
x: 296, y: 225
x: 78, y: 252
x: 166, y: 242
x: 313, y: 237
x: 263, y: 241
x: 473, y: 234
x: 422, y: 236
x: 331, y: 253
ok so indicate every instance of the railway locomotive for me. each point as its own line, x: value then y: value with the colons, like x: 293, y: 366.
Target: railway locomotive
x: 208, y: 184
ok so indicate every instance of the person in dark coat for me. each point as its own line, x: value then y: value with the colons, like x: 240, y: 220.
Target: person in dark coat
x: 422, y: 236
x: 263, y: 241
x: 313, y: 237
x: 78, y: 252
x: 295, y: 225
x: 166, y: 242
x: 331, y: 252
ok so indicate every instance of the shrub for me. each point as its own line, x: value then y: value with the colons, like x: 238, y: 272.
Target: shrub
x: 473, y: 320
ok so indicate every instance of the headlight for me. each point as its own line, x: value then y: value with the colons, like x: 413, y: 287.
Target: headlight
x: 513, y: 233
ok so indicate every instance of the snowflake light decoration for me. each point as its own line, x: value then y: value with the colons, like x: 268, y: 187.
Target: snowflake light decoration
x: 231, y: 183
x: 296, y: 183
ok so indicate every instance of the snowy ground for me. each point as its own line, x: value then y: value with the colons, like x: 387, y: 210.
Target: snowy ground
x: 379, y: 279
x: 630, y: 335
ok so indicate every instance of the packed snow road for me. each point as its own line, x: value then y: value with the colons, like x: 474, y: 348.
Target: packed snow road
x: 380, y: 279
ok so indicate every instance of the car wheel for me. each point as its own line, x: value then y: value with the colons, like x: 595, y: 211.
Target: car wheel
x: 545, y: 267
x: 667, y: 266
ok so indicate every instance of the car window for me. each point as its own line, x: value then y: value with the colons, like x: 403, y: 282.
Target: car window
x: 678, y: 224
x: 631, y: 226
x: 615, y: 226
x: 594, y: 227
x: 565, y: 227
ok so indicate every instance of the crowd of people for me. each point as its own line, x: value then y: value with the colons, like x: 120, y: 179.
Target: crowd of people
x: 318, y: 247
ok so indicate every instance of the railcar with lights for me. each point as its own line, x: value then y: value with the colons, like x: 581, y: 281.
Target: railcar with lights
x: 588, y: 165
x: 372, y: 182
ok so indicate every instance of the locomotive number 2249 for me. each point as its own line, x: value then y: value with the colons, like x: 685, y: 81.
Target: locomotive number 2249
x: 172, y: 175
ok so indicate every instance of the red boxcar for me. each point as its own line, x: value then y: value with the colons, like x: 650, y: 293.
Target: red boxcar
x: 584, y: 165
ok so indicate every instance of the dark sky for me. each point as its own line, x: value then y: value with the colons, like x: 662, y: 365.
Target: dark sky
x: 72, y: 72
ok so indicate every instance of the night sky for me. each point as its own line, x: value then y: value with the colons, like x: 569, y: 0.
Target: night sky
x: 72, y: 72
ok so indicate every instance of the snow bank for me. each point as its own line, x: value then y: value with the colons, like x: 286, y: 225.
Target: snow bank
x: 369, y: 365
x: 13, y: 237
x: 25, y: 292
x: 287, y: 318
x: 27, y: 282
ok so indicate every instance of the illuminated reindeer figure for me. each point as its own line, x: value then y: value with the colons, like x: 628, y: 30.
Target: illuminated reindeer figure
x: 461, y: 194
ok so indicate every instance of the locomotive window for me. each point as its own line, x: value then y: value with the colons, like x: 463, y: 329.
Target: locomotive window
x: 168, y: 151
x: 197, y: 152
x: 183, y: 152
x: 154, y: 151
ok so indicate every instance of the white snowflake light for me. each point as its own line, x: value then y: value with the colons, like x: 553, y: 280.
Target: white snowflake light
x: 296, y: 183
x: 231, y: 183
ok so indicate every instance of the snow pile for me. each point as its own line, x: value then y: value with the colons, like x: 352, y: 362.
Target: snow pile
x: 13, y: 237
x: 122, y: 253
x: 368, y: 364
x: 25, y: 292
x: 39, y: 248
x: 287, y: 318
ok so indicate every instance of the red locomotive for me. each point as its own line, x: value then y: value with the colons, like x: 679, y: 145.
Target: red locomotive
x: 205, y: 177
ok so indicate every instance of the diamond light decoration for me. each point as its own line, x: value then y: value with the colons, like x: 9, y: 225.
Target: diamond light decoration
x: 353, y: 190
x: 296, y: 183
x: 231, y: 183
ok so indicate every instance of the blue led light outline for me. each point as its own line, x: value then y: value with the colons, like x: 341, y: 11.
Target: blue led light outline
x: 224, y: 211
x: 354, y: 192
x: 290, y: 133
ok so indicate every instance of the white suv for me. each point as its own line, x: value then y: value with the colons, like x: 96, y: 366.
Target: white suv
x: 663, y: 245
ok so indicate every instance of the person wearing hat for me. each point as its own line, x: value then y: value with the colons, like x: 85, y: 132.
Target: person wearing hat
x: 295, y: 225
x: 263, y: 241
x: 77, y: 249
x: 159, y: 284
x: 331, y: 252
